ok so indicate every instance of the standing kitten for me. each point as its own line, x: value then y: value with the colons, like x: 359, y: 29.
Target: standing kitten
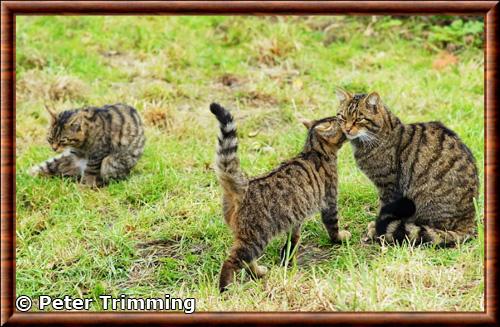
x: 260, y: 208
x: 425, y: 175
x: 99, y: 143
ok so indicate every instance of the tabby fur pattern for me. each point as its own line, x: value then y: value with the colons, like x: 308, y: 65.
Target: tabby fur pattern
x: 97, y: 143
x: 426, y: 176
x: 258, y: 209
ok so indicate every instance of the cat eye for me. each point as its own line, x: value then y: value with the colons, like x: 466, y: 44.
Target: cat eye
x: 340, y: 117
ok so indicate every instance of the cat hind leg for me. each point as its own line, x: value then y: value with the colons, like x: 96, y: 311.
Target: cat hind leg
x: 116, y: 166
x: 243, y: 255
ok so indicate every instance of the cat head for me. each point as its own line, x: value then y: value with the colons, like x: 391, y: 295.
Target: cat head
x: 67, y: 129
x: 324, y: 134
x: 361, y: 116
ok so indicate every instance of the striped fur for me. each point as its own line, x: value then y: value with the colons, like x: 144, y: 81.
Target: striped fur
x: 63, y: 164
x: 227, y: 164
x: 258, y: 209
x: 99, y: 144
x: 424, y: 166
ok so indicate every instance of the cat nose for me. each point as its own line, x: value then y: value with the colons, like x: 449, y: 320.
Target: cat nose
x: 55, y: 147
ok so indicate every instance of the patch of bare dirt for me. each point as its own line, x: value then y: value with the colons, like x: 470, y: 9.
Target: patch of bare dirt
x: 151, y: 253
x: 230, y: 80
x: 311, y: 254
x: 258, y: 98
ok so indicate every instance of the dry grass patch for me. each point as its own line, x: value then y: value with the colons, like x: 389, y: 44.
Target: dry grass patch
x: 36, y: 84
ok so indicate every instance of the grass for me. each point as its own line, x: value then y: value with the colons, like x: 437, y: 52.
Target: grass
x: 161, y: 230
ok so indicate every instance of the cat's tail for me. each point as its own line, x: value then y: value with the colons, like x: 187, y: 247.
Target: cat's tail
x: 227, y: 164
x: 393, y: 227
x: 63, y: 164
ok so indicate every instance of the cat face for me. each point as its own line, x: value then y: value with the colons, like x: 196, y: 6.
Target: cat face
x: 66, y: 130
x: 360, y: 115
x: 327, y: 130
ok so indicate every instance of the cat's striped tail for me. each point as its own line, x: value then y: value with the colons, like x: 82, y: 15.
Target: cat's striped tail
x: 227, y: 164
x: 64, y: 164
x: 392, y: 227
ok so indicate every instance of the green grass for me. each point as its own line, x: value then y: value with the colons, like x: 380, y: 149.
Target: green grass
x: 161, y: 230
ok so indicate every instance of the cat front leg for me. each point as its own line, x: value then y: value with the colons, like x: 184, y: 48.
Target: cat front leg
x: 331, y: 222
x: 91, y: 175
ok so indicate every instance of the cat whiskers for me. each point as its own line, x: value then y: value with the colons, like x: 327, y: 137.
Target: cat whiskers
x: 369, y: 140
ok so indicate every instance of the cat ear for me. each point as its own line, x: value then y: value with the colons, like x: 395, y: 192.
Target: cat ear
x: 307, y: 123
x: 373, y: 99
x: 342, y: 94
x: 324, y: 127
x: 51, y: 112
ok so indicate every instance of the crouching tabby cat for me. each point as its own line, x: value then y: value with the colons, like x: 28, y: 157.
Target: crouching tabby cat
x: 260, y: 208
x: 97, y: 144
x: 425, y: 175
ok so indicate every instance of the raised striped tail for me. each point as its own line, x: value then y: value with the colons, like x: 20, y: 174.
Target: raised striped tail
x: 227, y: 164
x: 392, y: 226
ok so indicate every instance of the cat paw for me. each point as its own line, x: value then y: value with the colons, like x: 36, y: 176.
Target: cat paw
x: 340, y: 237
x: 257, y: 271
x: 343, y: 235
x: 260, y: 271
x: 371, y: 233
x: 371, y: 230
x: 34, y: 171
x: 90, y: 181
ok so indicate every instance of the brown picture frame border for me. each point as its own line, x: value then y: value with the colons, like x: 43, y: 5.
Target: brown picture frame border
x: 9, y: 11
